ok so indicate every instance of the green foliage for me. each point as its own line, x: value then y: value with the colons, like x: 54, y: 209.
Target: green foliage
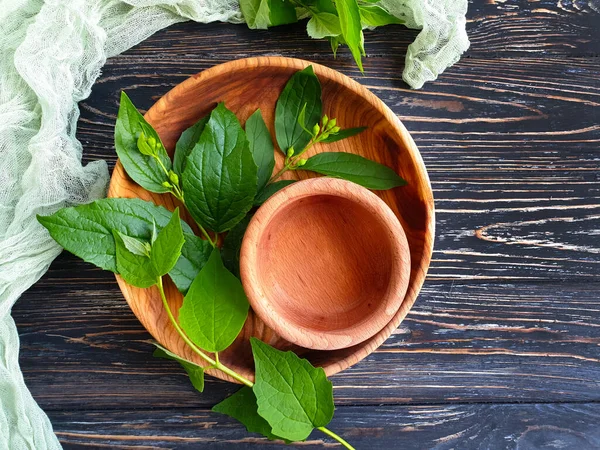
x: 292, y: 396
x: 242, y: 406
x: 194, y: 371
x: 261, y: 147
x: 140, y: 149
x: 302, y: 94
x: 220, y: 177
x: 354, y: 168
x: 220, y: 172
x: 186, y: 143
x: 215, y: 308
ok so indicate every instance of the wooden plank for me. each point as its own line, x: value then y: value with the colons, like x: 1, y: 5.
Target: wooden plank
x: 465, y: 427
x: 495, y: 28
x: 512, y: 154
x: 82, y: 346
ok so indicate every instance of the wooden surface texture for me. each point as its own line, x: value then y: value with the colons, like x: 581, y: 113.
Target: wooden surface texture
x: 501, y: 349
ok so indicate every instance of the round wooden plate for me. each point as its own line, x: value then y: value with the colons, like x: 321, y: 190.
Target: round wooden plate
x: 245, y: 85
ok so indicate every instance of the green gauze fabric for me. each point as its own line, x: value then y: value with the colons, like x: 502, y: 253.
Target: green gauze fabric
x: 51, y: 52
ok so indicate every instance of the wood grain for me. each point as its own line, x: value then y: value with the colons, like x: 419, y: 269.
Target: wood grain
x: 508, y: 145
x: 461, y: 342
x: 510, y: 311
x: 441, y: 427
x: 385, y: 141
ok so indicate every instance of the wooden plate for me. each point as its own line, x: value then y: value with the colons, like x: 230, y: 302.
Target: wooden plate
x: 248, y: 84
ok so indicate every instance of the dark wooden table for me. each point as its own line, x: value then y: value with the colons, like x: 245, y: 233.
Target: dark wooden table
x: 502, y: 349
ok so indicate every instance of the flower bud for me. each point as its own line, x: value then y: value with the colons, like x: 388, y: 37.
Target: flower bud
x: 143, y: 146
x: 332, y: 123
x: 301, y: 162
x: 167, y: 184
x: 290, y: 152
x: 174, y: 178
x: 316, y: 129
x: 335, y: 130
x: 325, y: 120
x: 152, y: 142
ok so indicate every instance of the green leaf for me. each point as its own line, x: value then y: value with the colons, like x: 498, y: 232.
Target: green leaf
x: 87, y: 232
x: 322, y: 25
x: 256, y: 13
x: 325, y: 6
x: 349, y: 15
x: 143, y: 169
x: 282, y: 12
x: 303, y: 88
x: 261, y: 147
x: 242, y: 407
x: 270, y: 189
x: 375, y: 16
x: 135, y: 269
x: 194, y: 254
x: 230, y: 252
x: 335, y: 42
x: 354, y: 168
x: 215, y: 307
x: 166, y: 250
x: 292, y: 396
x: 343, y: 134
x: 135, y: 246
x: 186, y: 143
x: 194, y: 371
x: 220, y: 178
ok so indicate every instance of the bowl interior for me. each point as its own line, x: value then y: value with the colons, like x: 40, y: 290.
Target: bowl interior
x: 244, y: 86
x: 333, y: 275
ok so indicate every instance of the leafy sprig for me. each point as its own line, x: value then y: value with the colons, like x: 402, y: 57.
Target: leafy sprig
x: 219, y: 173
x: 340, y: 21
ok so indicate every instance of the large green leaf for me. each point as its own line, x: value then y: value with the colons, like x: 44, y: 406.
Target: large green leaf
x: 220, y: 178
x: 282, y: 12
x: 186, y: 143
x: 194, y: 254
x: 215, y: 307
x: 261, y: 147
x: 242, y: 406
x: 256, y: 13
x: 322, y: 25
x: 292, y: 396
x: 87, y: 232
x: 166, y: 249
x: 302, y: 89
x: 376, y: 16
x: 143, y: 169
x: 354, y: 168
x: 194, y: 371
x: 349, y: 15
x: 136, y: 269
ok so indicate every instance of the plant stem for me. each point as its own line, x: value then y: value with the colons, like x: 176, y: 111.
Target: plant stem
x: 290, y: 163
x: 160, y: 163
x: 336, y: 437
x: 216, y: 364
x: 281, y: 172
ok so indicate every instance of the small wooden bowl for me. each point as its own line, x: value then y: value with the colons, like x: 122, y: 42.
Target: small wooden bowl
x: 325, y: 263
x: 245, y: 85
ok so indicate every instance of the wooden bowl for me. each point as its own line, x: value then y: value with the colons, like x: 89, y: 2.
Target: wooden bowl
x: 325, y: 264
x: 245, y: 85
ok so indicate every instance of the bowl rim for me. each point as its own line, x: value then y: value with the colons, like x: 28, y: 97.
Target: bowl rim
x: 265, y: 306
x: 352, y: 355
